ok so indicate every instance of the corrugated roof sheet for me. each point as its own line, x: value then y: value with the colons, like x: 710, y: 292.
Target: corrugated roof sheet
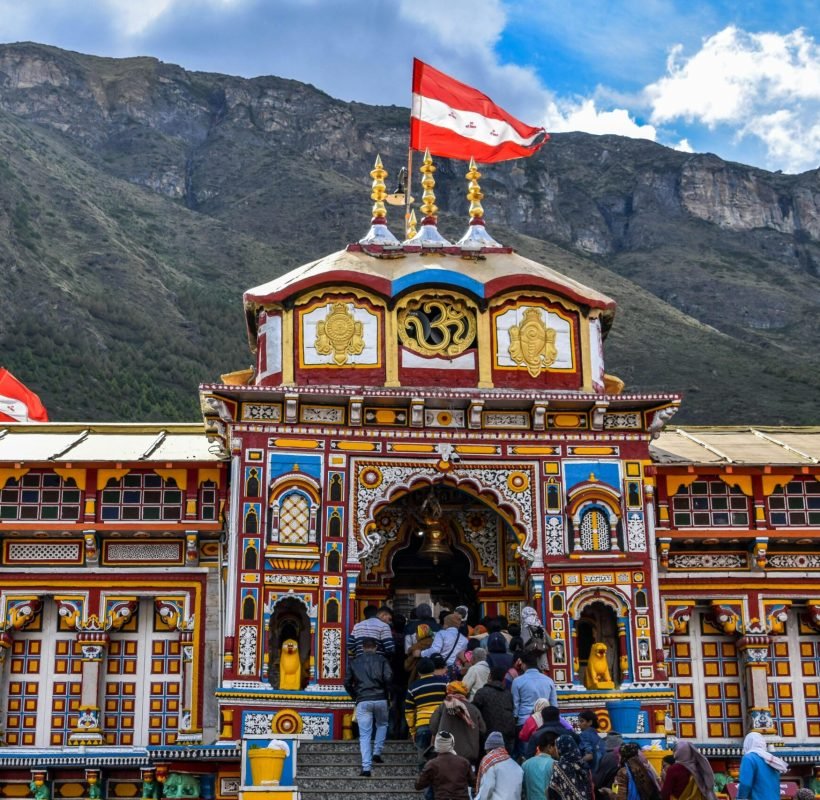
x: 761, y: 445
x: 61, y: 442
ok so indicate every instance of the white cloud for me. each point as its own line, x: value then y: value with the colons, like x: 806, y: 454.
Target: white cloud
x: 683, y: 145
x: 583, y: 115
x: 763, y: 85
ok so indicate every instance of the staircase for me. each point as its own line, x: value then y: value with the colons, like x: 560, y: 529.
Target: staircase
x: 329, y: 770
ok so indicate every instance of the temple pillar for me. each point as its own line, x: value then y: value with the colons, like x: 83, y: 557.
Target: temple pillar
x: 576, y: 661
x: 5, y: 646
x: 754, y: 653
x: 188, y: 733
x: 88, y: 729
x: 623, y: 650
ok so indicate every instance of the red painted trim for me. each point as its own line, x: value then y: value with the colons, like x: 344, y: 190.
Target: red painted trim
x: 336, y: 279
x: 514, y: 282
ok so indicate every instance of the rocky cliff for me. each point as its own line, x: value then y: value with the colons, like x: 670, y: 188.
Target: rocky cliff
x: 138, y: 200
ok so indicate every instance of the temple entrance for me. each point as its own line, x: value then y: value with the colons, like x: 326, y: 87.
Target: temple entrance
x: 441, y: 545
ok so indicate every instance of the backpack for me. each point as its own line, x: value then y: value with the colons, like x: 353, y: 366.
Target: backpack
x: 537, y: 643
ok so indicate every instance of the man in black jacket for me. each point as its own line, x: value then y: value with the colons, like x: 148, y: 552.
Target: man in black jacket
x: 368, y: 683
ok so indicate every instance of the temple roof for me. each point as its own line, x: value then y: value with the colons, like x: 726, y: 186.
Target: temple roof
x: 390, y: 272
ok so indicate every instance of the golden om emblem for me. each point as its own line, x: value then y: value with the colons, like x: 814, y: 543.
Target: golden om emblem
x: 434, y: 327
x: 532, y: 343
x: 339, y: 334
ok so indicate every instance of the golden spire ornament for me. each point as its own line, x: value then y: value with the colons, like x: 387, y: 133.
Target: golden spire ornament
x: 411, y: 224
x: 476, y: 237
x: 428, y: 236
x: 379, y: 233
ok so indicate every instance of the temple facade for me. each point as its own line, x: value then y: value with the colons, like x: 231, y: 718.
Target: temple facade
x: 424, y: 421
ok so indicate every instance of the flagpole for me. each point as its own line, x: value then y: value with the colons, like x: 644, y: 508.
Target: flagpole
x: 408, y: 194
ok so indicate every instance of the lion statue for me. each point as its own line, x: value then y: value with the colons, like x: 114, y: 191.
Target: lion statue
x: 597, y: 675
x: 290, y: 666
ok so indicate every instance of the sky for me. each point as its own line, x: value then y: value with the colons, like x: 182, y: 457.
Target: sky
x: 738, y: 78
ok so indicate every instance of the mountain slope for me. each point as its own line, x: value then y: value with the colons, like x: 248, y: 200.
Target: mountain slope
x: 138, y: 201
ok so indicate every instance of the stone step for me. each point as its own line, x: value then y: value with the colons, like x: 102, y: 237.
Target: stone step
x: 342, y: 745
x: 347, y: 756
x: 359, y: 794
x: 355, y: 783
x: 351, y: 768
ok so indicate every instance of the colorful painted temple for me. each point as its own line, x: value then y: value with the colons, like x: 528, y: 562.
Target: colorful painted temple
x: 425, y: 421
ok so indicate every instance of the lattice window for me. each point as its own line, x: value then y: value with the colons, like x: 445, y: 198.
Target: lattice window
x: 141, y: 496
x: 710, y: 504
x: 594, y: 531
x: 40, y: 496
x: 798, y: 503
x: 208, y: 501
x: 294, y: 519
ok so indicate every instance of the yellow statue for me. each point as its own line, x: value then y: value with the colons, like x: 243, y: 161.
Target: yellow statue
x: 597, y: 675
x: 290, y: 666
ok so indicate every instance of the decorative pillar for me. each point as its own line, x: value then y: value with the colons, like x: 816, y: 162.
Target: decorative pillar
x: 188, y: 732
x: 88, y: 729
x: 226, y: 723
x: 754, y: 653
x: 191, y: 549
x: 576, y: 662
x: 623, y: 651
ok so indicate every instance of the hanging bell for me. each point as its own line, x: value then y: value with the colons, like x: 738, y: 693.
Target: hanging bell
x: 435, y: 546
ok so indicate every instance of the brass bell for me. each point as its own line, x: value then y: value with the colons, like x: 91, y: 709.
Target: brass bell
x: 435, y: 546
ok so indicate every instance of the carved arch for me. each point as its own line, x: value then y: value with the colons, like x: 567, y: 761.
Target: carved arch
x: 611, y: 597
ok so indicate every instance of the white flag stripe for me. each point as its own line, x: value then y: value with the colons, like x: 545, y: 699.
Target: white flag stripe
x: 12, y: 407
x: 468, y: 123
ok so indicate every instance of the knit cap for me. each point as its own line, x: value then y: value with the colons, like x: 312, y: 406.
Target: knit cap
x: 494, y: 740
x: 444, y: 742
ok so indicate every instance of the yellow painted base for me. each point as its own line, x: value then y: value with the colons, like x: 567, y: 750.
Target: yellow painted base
x: 655, y: 758
x: 268, y: 793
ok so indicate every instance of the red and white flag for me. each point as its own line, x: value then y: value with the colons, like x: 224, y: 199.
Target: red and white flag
x: 17, y: 403
x: 456, y: 121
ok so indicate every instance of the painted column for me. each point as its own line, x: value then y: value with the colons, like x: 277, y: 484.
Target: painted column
x: 188, y: 733
x: 623, y: 650
x: 88, y: 729
x: 576, y: 661
x: 754, y: 653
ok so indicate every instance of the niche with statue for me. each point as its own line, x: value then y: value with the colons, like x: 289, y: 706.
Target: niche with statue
x: 289, y: 645
x: 597, y: 636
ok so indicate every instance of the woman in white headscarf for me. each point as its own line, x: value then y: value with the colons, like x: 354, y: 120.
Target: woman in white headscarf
x: 534, y: 636
x: 760, y: 771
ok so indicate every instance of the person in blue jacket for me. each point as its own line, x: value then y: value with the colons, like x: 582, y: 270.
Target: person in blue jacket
x: 760, y: 771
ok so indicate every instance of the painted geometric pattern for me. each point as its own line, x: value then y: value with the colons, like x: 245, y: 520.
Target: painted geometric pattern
x: 294, y: 519
x: 120, y: 697
x: 165, y: 700
x: 722, y: 689
x: 809, y: 660
x: 680, y: 673
x: 781, y: 686
x: 66, y: 689
x: 23, y: 692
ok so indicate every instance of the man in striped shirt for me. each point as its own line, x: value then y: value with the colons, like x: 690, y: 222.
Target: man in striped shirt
x: 375, y: 625
x: 424, y: 696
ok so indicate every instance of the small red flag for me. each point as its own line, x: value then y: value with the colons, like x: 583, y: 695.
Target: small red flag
x: 456, y: 121
x: 17, y: 403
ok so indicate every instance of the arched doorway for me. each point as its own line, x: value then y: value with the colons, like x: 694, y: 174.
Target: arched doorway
x: 442, y: 545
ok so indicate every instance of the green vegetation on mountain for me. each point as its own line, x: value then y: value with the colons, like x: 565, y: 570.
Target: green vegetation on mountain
x: 138, y: 201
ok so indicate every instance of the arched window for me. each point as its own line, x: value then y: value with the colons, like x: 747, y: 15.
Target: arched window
x: 251, y: 556
x: 553, y: 497
x: 640, y: 599
x: 334, y: 527
x: 595, y: 532
x: 336, y: 487
x: 294, y: 519
x: 248, y: 608
x: 251, y: 521
x: 633, y: 494
x: 557, y: 603
x: 332, y: 610
x: 334, y: 561
x: 252, y: 484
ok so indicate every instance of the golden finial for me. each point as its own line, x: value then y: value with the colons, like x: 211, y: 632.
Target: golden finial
x: 378, y: 173
x: 428, y: 207
x: 474, y: 194
x: 411, y: 224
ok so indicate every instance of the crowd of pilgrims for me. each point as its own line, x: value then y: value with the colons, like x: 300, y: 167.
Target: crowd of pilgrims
x: 484, y: 717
